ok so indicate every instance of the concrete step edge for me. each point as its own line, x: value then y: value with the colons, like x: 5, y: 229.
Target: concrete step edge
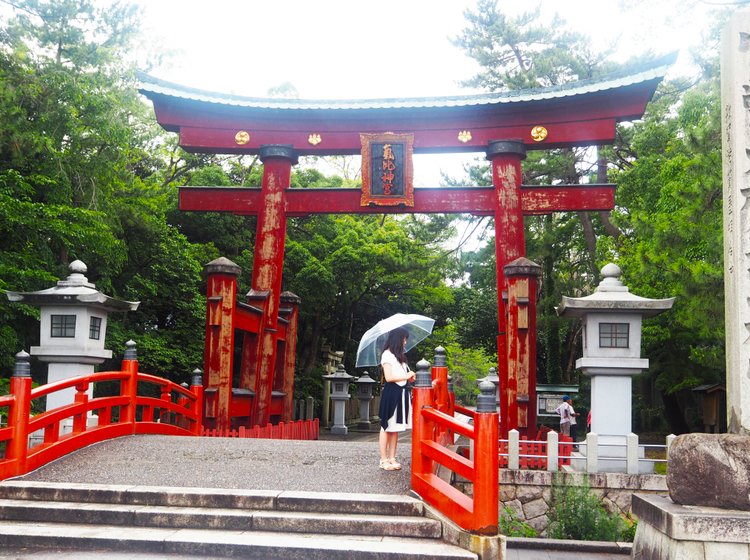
x: 213, y: 497
x: 266, y: 545
x: 214, y: 518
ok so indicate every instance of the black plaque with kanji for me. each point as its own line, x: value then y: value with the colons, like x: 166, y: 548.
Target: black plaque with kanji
x: 387, y: 169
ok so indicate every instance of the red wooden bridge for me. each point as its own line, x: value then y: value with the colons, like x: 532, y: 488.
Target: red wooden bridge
x: 146, y: 404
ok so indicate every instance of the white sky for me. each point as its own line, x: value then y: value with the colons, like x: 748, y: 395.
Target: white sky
x: 341, y: 49
x: 356, y: 49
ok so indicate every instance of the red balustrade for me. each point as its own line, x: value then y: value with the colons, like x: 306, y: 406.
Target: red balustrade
x: 301, y: 429
x: 532, y: 454
x: 477, y: 513
x: 177, y: 411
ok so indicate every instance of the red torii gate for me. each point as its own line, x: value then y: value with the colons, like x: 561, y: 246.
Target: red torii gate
x: 503, y: 125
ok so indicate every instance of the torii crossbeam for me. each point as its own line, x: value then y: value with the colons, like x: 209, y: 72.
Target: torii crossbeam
x: 502, y: 125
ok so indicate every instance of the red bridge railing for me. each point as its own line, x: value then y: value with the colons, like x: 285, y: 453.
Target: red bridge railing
x: 301, y: 429
x: 432, y: 439
x: 177, y: 411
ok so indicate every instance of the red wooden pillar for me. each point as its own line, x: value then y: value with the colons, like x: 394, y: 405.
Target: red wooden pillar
x: 252, y: 347
x: 268, y: 261
x: 221, y: 292
x: 18, y: 416
x: 290, y: 309
x: 196, y: 387
x: 506, y: 157
x: 521, y: 275
x: 486, y: 461
x: 129, y: 385
x: 422, y: 430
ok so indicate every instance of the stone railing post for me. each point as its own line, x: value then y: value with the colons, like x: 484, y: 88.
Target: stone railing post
x: 553, y: 451
x: 514, y: 449
x: 592, y: 452
x: 631, y: 452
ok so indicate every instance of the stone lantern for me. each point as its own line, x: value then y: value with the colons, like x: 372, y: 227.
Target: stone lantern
x: 365, y: 385
x: 73, y: 328
x: 612, y: 319
x: 339, y: 395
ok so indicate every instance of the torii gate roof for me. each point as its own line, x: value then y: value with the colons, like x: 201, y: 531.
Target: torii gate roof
x: 575, y: 114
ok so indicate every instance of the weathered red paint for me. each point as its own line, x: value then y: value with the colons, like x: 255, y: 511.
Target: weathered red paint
x: 509, y: 245
x: 480, y: 201
x: 268, y: 262
x: 290, y: 313
x: 221, y: 290
x: 521, y: 276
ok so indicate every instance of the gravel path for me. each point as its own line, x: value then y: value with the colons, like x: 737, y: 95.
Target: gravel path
x: 349, y: 465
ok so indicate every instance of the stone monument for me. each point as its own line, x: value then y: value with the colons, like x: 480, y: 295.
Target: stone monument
x: 707, y: 516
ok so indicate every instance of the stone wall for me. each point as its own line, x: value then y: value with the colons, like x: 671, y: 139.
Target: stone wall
x: 529, y: 493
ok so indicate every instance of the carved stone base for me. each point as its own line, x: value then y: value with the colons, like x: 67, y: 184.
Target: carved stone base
x: 668, y: 531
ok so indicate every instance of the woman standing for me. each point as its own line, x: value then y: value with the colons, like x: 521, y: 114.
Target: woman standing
x: 395, y: 405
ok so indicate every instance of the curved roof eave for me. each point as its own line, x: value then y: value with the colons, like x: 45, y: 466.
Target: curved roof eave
x: 655, y: 70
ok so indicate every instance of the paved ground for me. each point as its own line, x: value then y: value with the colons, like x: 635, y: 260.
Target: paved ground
x: 25, y: 554
x: 343, y: 465
x: 332, y: 464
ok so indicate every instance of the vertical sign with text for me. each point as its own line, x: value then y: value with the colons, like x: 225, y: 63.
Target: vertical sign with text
x: 387, y: 170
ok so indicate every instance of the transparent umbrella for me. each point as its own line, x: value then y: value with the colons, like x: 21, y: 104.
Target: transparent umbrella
x: 371, y: 346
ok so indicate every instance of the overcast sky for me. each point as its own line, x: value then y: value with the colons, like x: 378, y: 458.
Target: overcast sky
x: 388, y: 48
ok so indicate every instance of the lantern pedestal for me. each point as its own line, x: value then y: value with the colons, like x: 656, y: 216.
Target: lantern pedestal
x: 339, y: 395
x: 612, y: 321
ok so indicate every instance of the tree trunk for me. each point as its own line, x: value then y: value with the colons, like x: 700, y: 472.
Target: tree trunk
x: 601, y: 177
x: 674, y: 414
x: 313, y: 347
x: 590, y: 238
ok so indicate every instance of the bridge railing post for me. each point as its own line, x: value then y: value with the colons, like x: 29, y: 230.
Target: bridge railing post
x: 81, y: 397
x: 20, y: 388
x: 129, y: 386
x: 421, y: 429
x: 197, y: 389
x: 486, y: 461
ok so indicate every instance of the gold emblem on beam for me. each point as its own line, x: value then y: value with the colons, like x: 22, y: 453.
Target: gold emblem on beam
x: 539, y: 133
x: 314, y: 139
x: 464, y: 136
x: 242, y: 137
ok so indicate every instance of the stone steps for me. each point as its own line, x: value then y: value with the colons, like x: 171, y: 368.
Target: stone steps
x: 247, y: 523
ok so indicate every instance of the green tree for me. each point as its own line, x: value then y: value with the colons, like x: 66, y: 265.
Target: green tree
x: 526, y: 52
x: 671, y: 203
x: 78, y: 180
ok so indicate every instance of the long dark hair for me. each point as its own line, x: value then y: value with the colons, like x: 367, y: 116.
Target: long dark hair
x: 395, y: 343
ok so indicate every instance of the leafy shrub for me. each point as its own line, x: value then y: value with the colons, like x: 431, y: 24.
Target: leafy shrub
x: 511, y: 525
x: 577, y: 514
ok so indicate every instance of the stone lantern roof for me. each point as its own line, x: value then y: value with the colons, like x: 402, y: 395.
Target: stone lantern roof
x: 74, y: 290
x: 612, y: 295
